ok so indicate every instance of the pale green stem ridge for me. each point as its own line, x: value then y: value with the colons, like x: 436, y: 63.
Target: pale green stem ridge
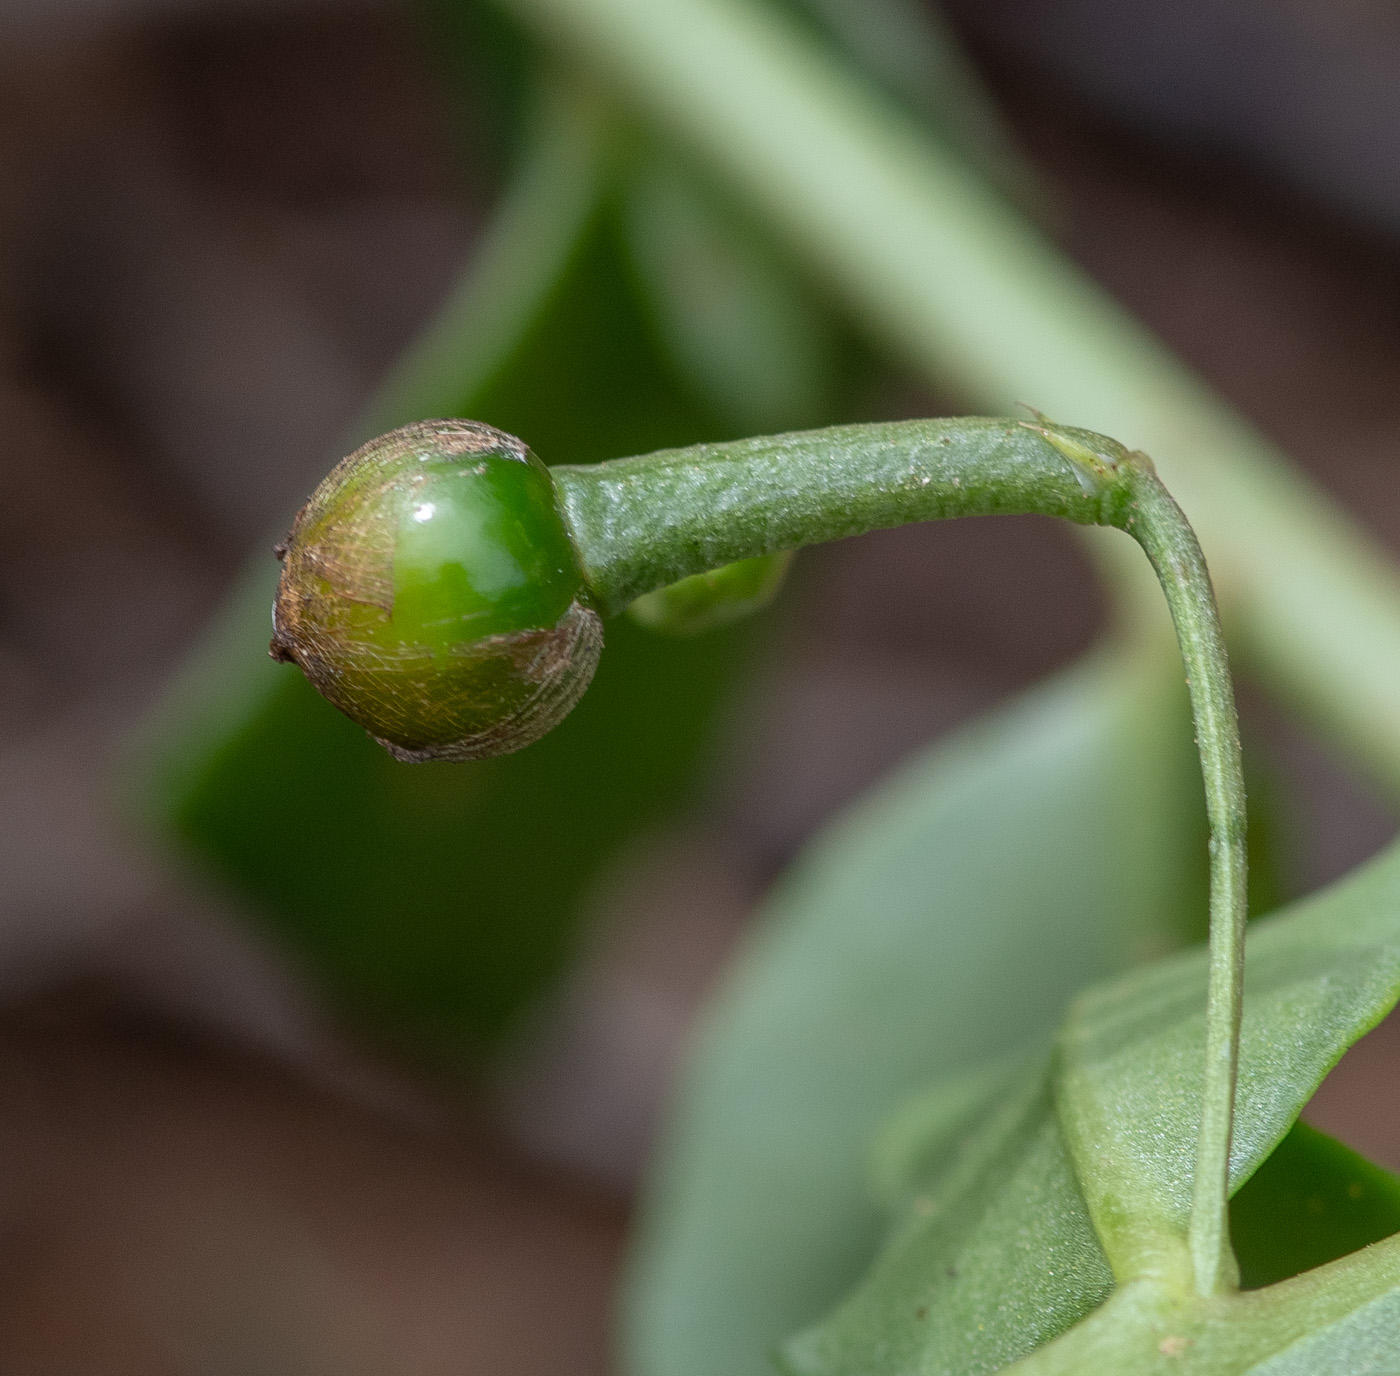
x: 1158, y: 525
x: 644, y: 523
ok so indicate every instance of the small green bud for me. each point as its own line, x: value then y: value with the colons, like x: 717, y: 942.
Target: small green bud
x: 706, y: 601
x: 430, y: 590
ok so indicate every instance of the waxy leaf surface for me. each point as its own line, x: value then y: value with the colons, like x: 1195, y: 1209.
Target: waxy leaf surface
x: 993, y: 1253
x: 1124, y: 1083
x: 1318, y: 976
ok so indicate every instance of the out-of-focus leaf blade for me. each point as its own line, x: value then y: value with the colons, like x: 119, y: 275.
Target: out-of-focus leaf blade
x: 949, y: 278
x: 732, y: 313
x: 438, y: 899
x: 523, y: 272
x: 947, y: 918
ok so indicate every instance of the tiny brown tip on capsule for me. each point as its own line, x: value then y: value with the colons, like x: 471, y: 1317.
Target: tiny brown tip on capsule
x: 280, y: 550
x: 279, y: 650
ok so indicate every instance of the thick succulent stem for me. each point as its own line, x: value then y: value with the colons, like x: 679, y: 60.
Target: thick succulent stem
x: 642, y: 523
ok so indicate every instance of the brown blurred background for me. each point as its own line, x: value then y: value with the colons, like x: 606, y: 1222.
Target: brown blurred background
x: 219, y: 222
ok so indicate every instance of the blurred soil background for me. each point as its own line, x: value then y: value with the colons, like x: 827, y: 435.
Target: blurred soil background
x: 219, y: 222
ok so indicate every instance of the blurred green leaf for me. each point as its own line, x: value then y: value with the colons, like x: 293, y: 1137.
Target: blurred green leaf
x: 427, y: 898
x: 1312, y: 1201
x: 948, y: 917
x: 731, y: 312
x: 438, y: 899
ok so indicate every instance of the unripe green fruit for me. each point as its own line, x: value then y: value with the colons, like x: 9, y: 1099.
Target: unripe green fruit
x: 431, y: 591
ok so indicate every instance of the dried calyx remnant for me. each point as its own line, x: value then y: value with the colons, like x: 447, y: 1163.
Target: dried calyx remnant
x: 431, y: 591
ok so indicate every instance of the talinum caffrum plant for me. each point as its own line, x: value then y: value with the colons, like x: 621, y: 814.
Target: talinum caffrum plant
x: 835, y: 174
x: 445, y: 590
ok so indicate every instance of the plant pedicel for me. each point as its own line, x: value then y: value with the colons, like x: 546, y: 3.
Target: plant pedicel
x: 445, y: 589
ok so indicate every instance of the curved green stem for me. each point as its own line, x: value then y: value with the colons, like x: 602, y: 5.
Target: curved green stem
x: 644, y: 523
x: 1158, y: 525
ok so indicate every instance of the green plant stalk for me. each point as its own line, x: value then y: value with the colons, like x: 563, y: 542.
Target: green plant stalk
x: 643, y: 523
x: 1157, y: 524
x: 949, y: 278
x: 646, y: 522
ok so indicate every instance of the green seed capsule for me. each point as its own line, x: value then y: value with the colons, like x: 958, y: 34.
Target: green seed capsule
x: 431, y: 591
